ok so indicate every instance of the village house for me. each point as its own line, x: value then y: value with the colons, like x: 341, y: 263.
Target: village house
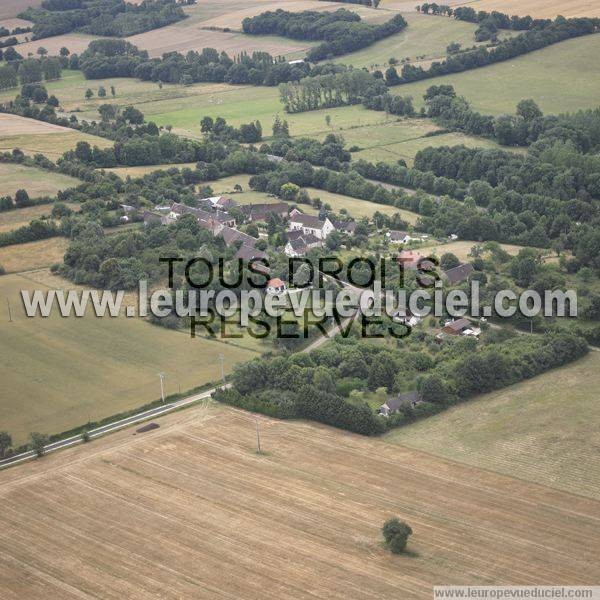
x: 310, y: 224
x: 261, y: 212
x: 213, y: 221
x: 276, y: 286
x: 459, y: 274
x: 151, y: 217
x: 405, y: 399
x: 410, y: 259
x: 398, y: 237
x: 348, y: 227
x: 230, y: 236
x: 299, y: 243
x: 459, y: 327
x: 220, y: 203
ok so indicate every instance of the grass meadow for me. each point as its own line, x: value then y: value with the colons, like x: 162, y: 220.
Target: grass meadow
x: 37, y: 182
x: 58, y: 373
x: 561, y: 78
x: 543, y: 430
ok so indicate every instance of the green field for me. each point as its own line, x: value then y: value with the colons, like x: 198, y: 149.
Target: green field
x: 424, y: 38
x: 36, y: 181
x: 561, y: 78
x: 359, y: 208
x: 544, y: 430
x: 59, y: 373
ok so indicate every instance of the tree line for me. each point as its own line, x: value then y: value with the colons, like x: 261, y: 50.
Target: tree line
x: 321, y: 386
x: 118, y: 58
x: 101, y: 17
x: 340, y: 88
x: 30, y: 70
x: 560, y: 30
x: 342, y: 31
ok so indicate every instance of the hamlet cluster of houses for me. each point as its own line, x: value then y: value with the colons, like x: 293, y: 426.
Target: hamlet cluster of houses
x: 305, y: 232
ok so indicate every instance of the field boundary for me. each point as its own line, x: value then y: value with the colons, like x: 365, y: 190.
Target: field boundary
x: 111, y: 427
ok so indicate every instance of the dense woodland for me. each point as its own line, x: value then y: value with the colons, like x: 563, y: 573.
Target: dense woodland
x: 101, y: 17
x: 341, y: 31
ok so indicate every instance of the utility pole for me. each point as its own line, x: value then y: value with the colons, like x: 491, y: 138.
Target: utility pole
x: 10, y: 319
x: 162, y: 386
x: 258, y: 437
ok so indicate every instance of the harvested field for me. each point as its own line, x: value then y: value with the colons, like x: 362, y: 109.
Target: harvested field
x: 536, y: 8
x: 11, y: 125
x: 11, y: 8
x: 191, y: 511
x: 543, y: 430
x: 37, y: 182
x: 34, y: 137
x: 34, y: 255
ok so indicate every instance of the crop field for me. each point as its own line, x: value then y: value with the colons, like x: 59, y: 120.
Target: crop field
x: 37, y: 182
x: 204, y: 29
x: 13, y: 219
x: 561, y: 78
x: 192, y: 511
x: 536, y: 8
x: 11, y: 8
x: 34, y: 137
x: 33, y: 255
x: 543, y: 430
x: 59, y: 373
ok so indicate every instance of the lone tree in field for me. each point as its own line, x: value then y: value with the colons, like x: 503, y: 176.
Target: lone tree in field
x: 396, y: 534
x: 37, y: 443
x: 5, y: 439
x: 88, y: 94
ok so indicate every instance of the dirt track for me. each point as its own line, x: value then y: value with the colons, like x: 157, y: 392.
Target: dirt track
x: 191, y: 511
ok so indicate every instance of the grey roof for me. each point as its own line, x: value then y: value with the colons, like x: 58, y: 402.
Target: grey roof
x: 460, y: 273
x: 260, y: 211
x: 233, y: 235
x: 248, y: 252
x: 307, y: 220
x: 404, y: 398
x: 458, y: 325
x: 345, y: 226
x: 397, y: 235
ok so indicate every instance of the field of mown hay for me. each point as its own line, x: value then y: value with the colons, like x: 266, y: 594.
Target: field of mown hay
x: 535, y: 8
x: 11, y: 8
x: 192, y: 511
x: 37, y: 137
x: 203, y: 29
